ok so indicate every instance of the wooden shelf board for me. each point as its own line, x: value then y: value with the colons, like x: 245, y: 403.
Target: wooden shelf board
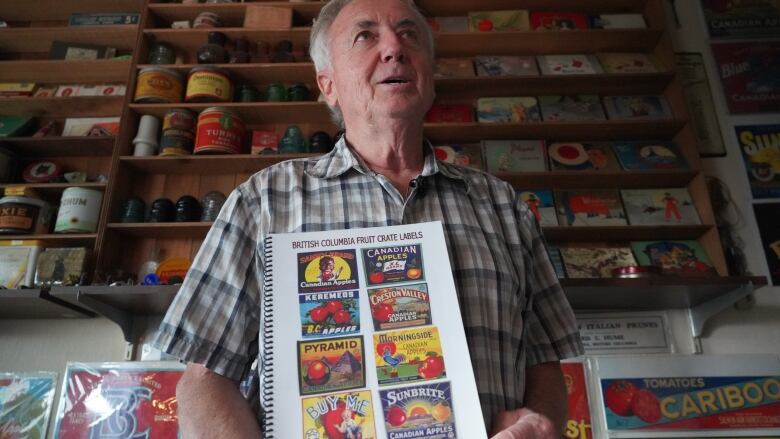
x: 37, y: 304
x: 603, y: 84
x: 60, y: 239
x: 252, y: 112
x: 650, y: 293
x: 74, y: 106
x: 474, y: 87
x: 563, y: 234
x: 450, y: 8
x: 206, y: 164
x: 45, y: 10
x: 39, y: 39
x: 599, y: 180
x: 53, y: 188
x: 230, y: 14
x: 546, y: 43
x: 162, y: 230
x: 138, y: 300
x: 190, y: 39
x: 66, y: 71
x: 58, y: 146
x: 442, y: 133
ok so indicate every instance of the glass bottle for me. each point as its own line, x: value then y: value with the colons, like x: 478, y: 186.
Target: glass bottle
x: 241, y: 54
x: 214, y: 51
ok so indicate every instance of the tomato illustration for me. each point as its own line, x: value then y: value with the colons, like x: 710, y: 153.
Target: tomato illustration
x: 342, y: 316
x: 376, y: 277
x: 317, y: 372
x: 318, y: 314
x: 618, y: 397
x: 645, y: 405
x: 431, y: 367
x: 382, y: 312
x: 485, y: 25
x: 396, y: 416
x: 334, y: 306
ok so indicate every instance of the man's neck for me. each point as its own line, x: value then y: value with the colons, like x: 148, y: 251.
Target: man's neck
x: 394, y: 151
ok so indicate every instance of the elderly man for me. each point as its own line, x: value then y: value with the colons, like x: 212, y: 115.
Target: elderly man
x: 374, y: 62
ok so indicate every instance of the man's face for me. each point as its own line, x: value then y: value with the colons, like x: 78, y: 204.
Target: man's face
x: 380, y: 66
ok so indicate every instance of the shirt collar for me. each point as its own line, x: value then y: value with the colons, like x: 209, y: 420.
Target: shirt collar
x: 342, y: 158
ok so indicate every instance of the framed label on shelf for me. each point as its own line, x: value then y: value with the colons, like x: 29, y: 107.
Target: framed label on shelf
x: 701, y: 106
x: 750, y: 75
x: 761, y: 152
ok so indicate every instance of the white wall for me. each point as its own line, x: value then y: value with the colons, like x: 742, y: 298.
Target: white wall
x: 758, y: 328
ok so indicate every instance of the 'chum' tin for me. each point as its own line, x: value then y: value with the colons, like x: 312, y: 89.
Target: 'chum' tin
x: 158, y: 85
x: 79, y: 210
x: 219, y: 131
x: 208, y: 84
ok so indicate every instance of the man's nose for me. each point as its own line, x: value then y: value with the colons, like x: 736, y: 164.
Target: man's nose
x: 392, y: 48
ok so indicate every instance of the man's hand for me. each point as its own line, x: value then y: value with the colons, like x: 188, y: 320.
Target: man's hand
x: 522, y: 424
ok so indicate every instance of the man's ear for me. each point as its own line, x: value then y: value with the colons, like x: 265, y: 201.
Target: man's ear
x: 325, y: 83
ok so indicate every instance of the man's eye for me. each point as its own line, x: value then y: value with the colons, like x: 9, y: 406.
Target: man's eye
x: 365, y: 35
x: 408, y: 33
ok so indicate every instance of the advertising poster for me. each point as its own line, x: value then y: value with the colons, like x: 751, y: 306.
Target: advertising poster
x: 701, y: 106
x: 753, y: 18
x: 750, y: 75
x: 768, y: 219
x: 119, y: 400
x: 760, y: 146
x: 25, y: 404
x: 692, y: 403
x: 578, y: 423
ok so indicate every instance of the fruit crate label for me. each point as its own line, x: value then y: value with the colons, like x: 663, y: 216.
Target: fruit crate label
x: 400, y: 307
x: 423, y: 411
x: 333, y: 270
x: 330, y: 365
x: 329, y: 314
x: 692, y: 403
x: 407, y: 356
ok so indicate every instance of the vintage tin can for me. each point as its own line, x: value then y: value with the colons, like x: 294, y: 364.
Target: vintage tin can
x: 24, y: 215
x: 219, y: 131
x: 79, y: 210
x: 178, y: 134
x: 208, y: 84
x: 158, y: 85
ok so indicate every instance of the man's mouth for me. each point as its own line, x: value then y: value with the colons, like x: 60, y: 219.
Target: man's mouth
x: 395, y: 80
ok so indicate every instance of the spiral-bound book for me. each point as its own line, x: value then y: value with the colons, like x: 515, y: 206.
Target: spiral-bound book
x: 363, y: 338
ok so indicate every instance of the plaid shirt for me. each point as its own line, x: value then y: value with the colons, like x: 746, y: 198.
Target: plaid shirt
x: 514, y: 311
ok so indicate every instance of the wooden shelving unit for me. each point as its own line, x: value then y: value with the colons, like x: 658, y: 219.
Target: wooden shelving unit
x: 126, y: 246
x: 53, y: 188
x: 73, y: 106
x: 58, y: 146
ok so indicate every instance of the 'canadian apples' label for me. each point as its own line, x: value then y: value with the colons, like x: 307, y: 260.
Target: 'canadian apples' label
x: 333, y: 270
x: 422, y: 411
x: 400, y: 307
x: 329, y: 314
x: 330, y: 365
x: 339, y: 416
x: 407, y: 356
x: 386, y: 265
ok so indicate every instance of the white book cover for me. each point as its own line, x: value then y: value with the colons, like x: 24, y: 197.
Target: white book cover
x: 577, y: 64
x: 362, y: 337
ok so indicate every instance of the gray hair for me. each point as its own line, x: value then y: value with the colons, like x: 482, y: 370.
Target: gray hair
x: 318, y: 41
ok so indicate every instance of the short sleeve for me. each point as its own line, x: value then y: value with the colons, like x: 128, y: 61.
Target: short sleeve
x: 551, y: 332
x: 215, y: 317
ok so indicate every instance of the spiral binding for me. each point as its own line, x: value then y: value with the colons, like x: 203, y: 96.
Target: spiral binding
x: 267, y: 391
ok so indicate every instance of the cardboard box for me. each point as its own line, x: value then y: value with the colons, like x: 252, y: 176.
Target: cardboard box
x: 268, y: 17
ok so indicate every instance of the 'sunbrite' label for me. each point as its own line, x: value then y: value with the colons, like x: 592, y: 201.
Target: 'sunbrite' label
x: 692, y: 403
